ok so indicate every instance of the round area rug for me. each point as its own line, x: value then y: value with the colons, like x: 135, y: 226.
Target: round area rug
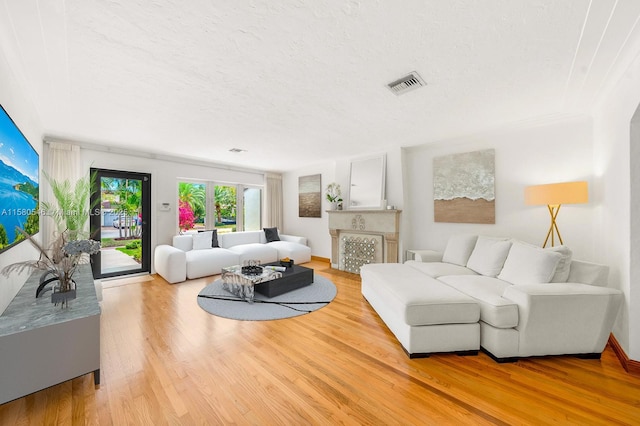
x: 217, y: 301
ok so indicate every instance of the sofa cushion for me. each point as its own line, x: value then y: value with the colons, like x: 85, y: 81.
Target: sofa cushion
x: 202, y: 263
x: 527, y: 264
x: 487, y: 291
x: 183, y: 242
x: 488, y: 255
x: 293, y: 239
x: 271, y: 234
x: 202, y: 240
x: 298, y: 252
x: 264, y: 253
x: 418, y: 298
x: 459, y: 248
x: 564, y: 266
x: 438, y: 269
x: 231, y: 239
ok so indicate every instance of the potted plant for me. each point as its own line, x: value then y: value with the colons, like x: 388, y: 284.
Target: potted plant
x: 58, y: 264
x: 71, y: 210
x: 70, y: 247
x: 334, y: 195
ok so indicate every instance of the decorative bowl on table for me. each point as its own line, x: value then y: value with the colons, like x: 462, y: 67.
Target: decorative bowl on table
x: 251, y: 267
x: 286, y: 262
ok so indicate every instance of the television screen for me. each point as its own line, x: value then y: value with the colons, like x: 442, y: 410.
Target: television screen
x: 19, y: 186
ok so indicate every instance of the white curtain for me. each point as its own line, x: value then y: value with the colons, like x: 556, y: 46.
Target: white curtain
x: 62, y: 162
x: 273, y: 201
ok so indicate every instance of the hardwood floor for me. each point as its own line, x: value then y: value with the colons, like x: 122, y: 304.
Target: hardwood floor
x: 166, y: 361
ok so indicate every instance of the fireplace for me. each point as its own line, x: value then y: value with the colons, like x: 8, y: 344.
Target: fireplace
x: 357, y: 250
x: 359, y: 237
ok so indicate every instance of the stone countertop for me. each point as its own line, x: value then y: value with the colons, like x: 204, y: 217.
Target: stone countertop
x: 25, y: 312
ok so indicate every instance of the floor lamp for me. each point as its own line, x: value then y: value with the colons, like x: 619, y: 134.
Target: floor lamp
x: 553, y: 195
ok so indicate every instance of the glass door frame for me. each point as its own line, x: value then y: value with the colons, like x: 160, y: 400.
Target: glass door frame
x: 95, y: 220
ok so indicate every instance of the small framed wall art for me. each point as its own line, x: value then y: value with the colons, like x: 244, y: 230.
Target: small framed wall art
x: 310, y: 196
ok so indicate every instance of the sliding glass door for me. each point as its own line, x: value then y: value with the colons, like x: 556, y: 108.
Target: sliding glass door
x: 123, y: 223
x: 252, y: 208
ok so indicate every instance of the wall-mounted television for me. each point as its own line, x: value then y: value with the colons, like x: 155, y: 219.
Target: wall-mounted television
x: 19, y: 187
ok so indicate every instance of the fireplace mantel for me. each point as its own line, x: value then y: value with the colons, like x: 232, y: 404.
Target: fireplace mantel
x: 385, y: 223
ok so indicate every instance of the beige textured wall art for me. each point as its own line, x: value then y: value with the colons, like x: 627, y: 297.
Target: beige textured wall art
x: 464, y: 187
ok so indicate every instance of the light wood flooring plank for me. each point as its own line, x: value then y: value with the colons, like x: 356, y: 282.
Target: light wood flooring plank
x: 166, y: 361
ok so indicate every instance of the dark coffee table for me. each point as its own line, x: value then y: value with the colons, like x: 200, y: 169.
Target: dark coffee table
x: 292, y: 278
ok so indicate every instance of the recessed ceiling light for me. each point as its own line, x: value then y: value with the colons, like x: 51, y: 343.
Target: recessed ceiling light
x: 237, y: 150
x: 407, y: 83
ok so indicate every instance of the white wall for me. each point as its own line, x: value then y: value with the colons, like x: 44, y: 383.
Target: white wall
x: 557, y: 151
x: 165, y: 175
x: 24, y: 115
x: 317, y: 229
x: 621, y: 204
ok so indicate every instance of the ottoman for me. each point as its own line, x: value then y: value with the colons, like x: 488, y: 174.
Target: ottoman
x: 426, y: 315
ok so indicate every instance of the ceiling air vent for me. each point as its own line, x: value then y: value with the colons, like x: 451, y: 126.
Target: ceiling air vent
x: 405, y: 84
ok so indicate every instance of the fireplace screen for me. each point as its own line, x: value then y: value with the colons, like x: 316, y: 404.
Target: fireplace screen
x: 356, y: 251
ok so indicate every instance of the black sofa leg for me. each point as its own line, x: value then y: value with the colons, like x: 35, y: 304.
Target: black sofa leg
x: 589, y: 356
x: 499, y: 360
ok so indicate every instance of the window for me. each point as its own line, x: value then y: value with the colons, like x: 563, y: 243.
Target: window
x: 225, y: 200
x: 207, y: 205
x: 192, y: 210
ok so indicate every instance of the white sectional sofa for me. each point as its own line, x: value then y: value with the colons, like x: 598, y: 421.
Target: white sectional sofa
x: 507, y: 297
x: 195, y: 255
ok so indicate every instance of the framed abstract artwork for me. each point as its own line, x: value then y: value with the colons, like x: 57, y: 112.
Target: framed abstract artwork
x: 309, y: 196
x: 464, y: 187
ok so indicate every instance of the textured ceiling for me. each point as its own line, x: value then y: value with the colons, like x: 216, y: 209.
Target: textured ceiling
x: 297, y: 83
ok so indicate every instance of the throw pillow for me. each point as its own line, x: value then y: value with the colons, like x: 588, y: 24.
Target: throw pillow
x: 271, y: 234
x: 564, y: 266
x: 214, y: 237
x: 527, y: 264
x: 459, y: 248
x: 202, y: 240
x: 488, y: 256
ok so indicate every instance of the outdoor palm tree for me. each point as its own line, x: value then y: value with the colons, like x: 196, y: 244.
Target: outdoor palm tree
x: 225, y: 202
x: 130, y: 193
x: 195, y: 195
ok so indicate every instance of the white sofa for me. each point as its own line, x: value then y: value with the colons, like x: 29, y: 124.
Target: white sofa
x: 507, y: 297
x: 192, y: 255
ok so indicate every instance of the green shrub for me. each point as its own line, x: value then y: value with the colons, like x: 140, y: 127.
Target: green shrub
x: 135, y: 244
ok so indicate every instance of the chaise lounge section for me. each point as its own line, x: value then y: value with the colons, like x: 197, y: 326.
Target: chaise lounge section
x: 530, y: 301
x: 426, y: 315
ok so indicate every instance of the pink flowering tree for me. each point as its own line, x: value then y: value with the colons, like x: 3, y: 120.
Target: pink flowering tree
x: 186, y: 216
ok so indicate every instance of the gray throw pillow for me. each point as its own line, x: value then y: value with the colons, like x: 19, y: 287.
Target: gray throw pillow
x: 271, y: 234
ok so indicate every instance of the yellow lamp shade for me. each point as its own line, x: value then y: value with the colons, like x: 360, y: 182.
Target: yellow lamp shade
x: 557, y: 193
